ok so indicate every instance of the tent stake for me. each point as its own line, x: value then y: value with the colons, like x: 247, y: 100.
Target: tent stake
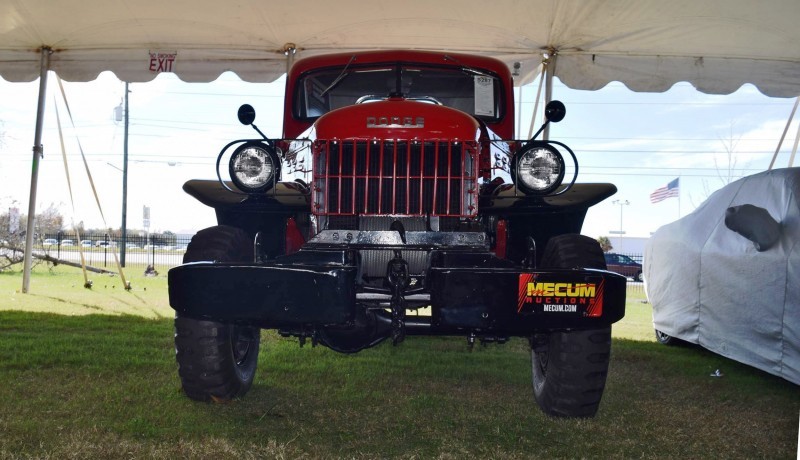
x: 38, y: 152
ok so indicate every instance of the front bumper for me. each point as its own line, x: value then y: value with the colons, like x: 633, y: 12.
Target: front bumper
x: 467, y: 292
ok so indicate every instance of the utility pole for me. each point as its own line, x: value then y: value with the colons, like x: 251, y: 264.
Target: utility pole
x: 124, y: 236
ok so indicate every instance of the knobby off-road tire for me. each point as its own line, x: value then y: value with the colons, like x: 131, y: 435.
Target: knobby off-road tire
x: 570, y: 367
x: 216, y: 361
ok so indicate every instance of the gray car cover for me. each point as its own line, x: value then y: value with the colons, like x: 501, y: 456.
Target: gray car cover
x: 734, y: 289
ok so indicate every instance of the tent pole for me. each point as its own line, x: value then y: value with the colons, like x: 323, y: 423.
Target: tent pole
x: 514, y: 75
x: 794, y: 148
x: 289, y: 50
x: 538, y: 97
x: 38, y: 152
x: 783, y: 136
x: 550, y: 70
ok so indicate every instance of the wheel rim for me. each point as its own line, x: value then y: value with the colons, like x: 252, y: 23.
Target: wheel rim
x: 662, y: 337
x: 539, y: 365
x: 241, y: 344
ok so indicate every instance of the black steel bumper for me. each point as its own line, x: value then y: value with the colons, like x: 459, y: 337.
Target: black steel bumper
x: 518, y: 302
x: 467, y: 294
x: 272, y: 296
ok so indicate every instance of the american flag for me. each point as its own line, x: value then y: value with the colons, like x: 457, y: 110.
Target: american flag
x: 667, y: 191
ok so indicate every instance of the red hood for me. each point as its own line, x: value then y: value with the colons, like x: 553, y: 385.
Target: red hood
x: 397, y: 118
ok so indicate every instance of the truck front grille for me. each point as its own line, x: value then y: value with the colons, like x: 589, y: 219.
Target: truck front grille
x: 399, y: 177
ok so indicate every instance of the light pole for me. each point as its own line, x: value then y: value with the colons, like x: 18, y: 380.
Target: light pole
x: 621, y: 232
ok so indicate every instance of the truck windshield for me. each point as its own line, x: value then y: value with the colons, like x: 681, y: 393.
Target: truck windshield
x: 475, y: 92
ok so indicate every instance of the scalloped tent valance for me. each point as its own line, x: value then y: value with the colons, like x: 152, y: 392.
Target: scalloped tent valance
x: 649, y: 45
x: 717, y: 45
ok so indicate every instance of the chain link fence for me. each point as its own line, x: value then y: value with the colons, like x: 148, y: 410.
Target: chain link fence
x: 160, y: 251
x: 166, y: 251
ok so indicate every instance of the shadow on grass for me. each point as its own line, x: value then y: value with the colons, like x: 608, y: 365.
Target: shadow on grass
x: 107, y: 386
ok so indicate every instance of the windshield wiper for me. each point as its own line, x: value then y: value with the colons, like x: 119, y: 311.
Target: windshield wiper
x: 341, y: 76
x: 467, y: 69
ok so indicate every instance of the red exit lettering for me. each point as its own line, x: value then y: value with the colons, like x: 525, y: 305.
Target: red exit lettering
x: 162, y: 62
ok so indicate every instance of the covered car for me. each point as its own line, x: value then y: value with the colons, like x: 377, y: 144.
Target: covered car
x: 727, y: 276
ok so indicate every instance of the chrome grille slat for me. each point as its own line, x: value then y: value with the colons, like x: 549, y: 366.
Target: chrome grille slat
x: 398, y: 177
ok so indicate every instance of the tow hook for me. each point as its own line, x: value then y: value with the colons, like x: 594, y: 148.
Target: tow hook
x: 399, y: 280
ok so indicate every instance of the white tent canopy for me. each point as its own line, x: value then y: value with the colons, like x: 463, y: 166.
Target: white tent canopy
x: 717, y: 45
x: 649, y: 45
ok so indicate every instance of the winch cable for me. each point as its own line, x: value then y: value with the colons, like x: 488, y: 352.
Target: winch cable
x: 125, y: 283
x: 86, y: 282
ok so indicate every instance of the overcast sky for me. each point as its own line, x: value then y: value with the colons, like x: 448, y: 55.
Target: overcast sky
x: 638, y: 141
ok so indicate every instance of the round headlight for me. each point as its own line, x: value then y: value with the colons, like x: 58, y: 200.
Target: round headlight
x: 253, y: 168
x: 540, y: 169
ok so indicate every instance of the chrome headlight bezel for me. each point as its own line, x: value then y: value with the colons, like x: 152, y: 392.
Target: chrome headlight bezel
x: 262, y: 156
x: 539, y: 168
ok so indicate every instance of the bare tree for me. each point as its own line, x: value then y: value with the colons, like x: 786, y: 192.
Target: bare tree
x: 49, y: 221
x: 605, y: 243
x: 12, y: 232
x: 726, y: 168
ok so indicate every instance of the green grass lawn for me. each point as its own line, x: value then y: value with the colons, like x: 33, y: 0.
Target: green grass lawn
x: 91, y: 373
x: 60, y: 290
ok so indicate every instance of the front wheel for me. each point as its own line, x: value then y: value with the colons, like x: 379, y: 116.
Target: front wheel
x: 569, y: 371
x: 216, y: 361
x: 569, y: 368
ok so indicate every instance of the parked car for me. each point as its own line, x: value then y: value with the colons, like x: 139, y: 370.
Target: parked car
x: 50, y: 242
x: 86, y: 243
x: 106, y: 244
x: 624, y: 265
x: 131, y: 246
x: 65, y: 243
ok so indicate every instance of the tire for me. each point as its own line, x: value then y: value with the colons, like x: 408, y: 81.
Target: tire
x: 220, y: 244
x: 569, y: 368
x: 638, y: 277
x: 216, y: 361
x: 666, y: 339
